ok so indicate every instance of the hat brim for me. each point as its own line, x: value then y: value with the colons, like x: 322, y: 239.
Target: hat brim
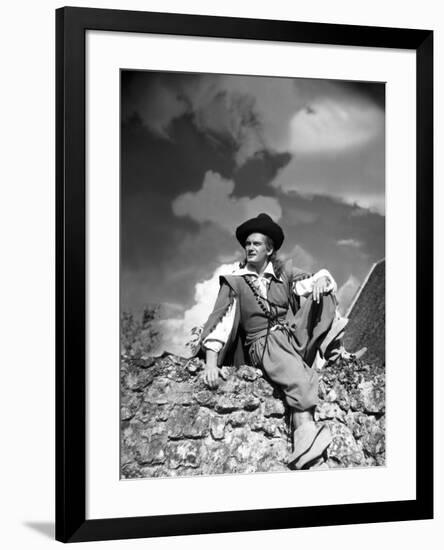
x: 261, y: 224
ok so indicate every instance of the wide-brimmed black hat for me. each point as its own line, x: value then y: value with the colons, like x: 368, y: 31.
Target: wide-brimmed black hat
x: 261, y: 224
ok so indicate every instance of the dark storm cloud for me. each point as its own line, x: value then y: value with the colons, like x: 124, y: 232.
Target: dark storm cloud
x: 319, y: 225
x: 373, y: 90
x: 155, y: 98
x: 169, y: 166
x: 189, y: 257
x: 154, y: 172
x: 253, y: 178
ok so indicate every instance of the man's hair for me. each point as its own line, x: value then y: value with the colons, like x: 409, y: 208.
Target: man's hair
x: 278, y: 265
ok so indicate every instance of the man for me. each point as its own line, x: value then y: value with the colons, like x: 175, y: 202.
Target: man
x: 258, y: 319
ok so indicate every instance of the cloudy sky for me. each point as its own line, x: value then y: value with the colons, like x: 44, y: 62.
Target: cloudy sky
x: 202, y: 153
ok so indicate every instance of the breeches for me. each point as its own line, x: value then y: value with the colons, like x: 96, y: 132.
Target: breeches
x: 285, y: 355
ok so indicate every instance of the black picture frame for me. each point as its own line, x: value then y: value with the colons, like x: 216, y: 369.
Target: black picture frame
x: 71, y: 27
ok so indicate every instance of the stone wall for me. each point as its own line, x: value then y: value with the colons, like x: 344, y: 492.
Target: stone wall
x: 172, y: 424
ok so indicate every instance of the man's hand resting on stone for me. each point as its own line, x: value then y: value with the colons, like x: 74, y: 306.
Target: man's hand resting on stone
x: 211, y: 371
x: 211, y: 375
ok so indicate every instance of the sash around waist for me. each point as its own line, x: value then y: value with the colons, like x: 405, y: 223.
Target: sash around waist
x: 280, y: 324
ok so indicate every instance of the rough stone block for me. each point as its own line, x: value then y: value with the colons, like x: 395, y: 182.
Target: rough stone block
x: 373, y: 398
x: 206, y: 398
x: 330, y: 411
x: 238, y: 419
x: 151, y: 453
x: 274, y: 407
x: 217, y: 427
x: 344, y: 448
x: 227, y: 404
x: 185, y: 453
x: 251, y: 403
x: 196, y: 423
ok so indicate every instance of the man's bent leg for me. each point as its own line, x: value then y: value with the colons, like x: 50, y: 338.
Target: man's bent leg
x: 285, y: 367
x: 319, y: 328
x: 312, y: 323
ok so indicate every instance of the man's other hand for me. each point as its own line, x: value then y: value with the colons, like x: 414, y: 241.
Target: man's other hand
x: 320, y: 287
x: 211, y: 375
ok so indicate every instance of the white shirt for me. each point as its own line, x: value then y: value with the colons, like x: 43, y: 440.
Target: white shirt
x: 219, y: 335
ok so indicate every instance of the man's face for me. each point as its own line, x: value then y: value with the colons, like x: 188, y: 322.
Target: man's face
x: 256, y: 249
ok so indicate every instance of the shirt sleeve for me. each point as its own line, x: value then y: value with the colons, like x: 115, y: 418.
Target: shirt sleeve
x: 305, y: 286
x: 219, y: 335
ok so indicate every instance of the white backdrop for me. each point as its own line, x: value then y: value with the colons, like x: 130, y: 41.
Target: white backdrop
x: 27, y: 323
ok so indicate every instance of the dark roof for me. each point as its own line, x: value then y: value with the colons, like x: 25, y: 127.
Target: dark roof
x: 366, y: 325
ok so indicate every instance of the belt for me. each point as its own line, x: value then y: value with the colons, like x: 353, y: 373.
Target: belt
x: 274, y: 325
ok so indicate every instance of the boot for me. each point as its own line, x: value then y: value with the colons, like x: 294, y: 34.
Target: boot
x: 317, y: 448
x: 309, y: 442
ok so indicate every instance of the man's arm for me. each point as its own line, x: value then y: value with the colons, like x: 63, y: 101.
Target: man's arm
x: 214, y: 342
x: 320, y: 283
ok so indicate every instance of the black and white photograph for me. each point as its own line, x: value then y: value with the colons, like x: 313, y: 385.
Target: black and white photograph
x: 223, y: 257
x: 252, y: 274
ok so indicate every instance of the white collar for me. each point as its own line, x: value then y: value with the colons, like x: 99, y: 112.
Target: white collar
x: 269, y: 270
